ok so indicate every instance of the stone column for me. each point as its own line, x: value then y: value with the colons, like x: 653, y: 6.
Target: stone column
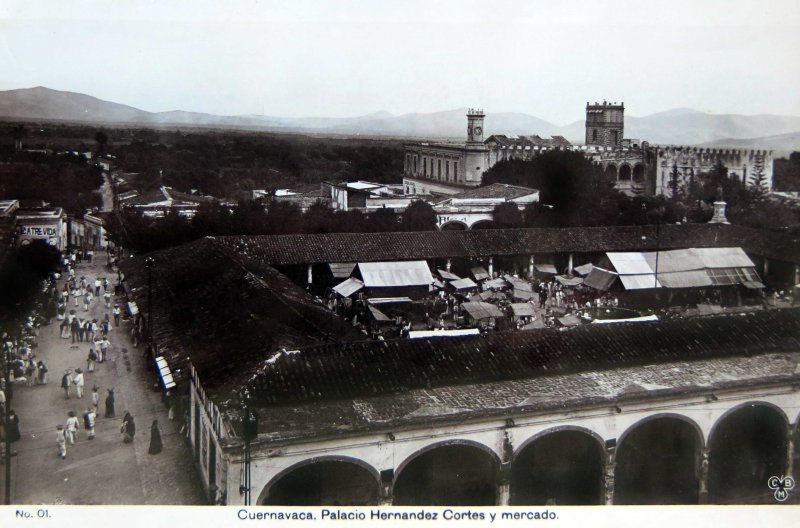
x: 387, y: 488
x: 503, y: 485
x: 310, y: 277
x: 765, y: 268
x: 608, y: 477
x: 790, y: 452
x: 569, y: 265
x: 702, y: 476
x: 449, y: 264
x: 491, y: 267
x: 531, y: 266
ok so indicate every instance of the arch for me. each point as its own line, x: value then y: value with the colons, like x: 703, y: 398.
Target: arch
x: 482, y: 224
x: 747, y: 446
x: 611, y: 171
x: 677, y: 416
x: 625, y: 172
x: 297, y: 499
x: 577, y: 428
x: 638, y: 173
x: 563, y: 465
x: 454, y: 473
x: 453, y: 225
x: 656, y: 461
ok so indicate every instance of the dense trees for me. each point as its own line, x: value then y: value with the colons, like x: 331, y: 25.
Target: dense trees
x: 21, y: 274
x: 574, y: 190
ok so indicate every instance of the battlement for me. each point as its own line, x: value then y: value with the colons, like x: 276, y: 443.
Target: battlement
x: 672, y: 150
x: 475, y: 112
x: 598, y: 107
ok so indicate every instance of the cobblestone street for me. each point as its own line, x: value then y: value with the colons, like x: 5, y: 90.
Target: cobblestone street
x: 103, y: 470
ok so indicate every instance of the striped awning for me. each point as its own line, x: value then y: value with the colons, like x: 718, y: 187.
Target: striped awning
x: 164, y: 372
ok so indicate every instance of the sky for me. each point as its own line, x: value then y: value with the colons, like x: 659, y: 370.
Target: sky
x: 342, y: 58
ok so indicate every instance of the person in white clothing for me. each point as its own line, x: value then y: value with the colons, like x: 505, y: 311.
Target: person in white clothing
x: 71, y: 427
x: 78, y: 382
x: 61, y: 441
x: 89, y: 418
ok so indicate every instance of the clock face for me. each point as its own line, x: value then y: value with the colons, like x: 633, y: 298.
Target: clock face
x: 477, y: 130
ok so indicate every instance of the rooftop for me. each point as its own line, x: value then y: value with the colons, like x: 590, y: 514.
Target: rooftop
x: 371, y: 247
x: 225, y: 312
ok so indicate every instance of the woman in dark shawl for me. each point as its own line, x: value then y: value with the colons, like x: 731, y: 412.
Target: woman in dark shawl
x: 155, y: 439
x: 110, y: 404
x: 128, y: 429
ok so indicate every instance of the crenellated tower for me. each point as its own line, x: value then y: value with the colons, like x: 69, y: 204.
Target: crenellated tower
x: 605, y: 124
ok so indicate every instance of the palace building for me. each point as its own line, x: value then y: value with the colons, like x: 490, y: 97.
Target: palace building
x: 286, y: 403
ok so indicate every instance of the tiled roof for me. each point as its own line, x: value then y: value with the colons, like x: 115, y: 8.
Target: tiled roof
x: 370, y: 247
x: 226, y: 312
x: 353, y: 370
x: 457, y: 403
x: 495, y: 190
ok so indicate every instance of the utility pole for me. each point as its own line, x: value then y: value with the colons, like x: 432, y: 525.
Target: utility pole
x: 7, y: 422
x: 149, y: 261
x: 249, y: 431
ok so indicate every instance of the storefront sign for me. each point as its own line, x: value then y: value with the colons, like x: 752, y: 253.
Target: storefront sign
x: 38, y: 231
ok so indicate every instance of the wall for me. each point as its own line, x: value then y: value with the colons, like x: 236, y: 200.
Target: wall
x: 380, y: 452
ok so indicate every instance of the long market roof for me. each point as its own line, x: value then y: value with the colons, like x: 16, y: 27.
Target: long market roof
x: 372, y: 247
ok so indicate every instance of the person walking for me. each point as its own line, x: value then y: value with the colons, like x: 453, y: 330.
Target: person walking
x: 30, y: 372
x: 90, y: 360
x: 13, y: 426
x: 97, y: 285
x: 66, y: 381
x: 95, y: 397
x: 128, y: 428
x: 107, y: 299
x: 78, y: 381
x: 89, y: 419
x: 61, y: 441
x: 42, y: 373
x: 116, y: 313
x: 155, y: 439
x: 105, y: 345
x: 71, y: 426
x: 110, y: 404
x: 87, y: 300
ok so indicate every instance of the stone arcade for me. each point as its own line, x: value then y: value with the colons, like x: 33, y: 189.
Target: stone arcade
x: 707, y: 411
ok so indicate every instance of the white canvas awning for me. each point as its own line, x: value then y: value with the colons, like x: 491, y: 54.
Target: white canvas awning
x: 416, y: 334
x: 479, y: 273
x: 395, y: 274
x: 379, y: 315
x: 523, y: 310
x: 482, y: 310
x: 583, y: 269
x: 164, y: 372
x: 341, y: 270
x: 446, y: 275
x: 546, y: 268
x: 463, y: 284
x: 566, y: 280
x: 518, y: 284
x: 639, y: 282
x: 497, y: 284
x: 348, y: 287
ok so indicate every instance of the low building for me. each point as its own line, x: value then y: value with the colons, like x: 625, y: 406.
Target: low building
x: 44, y: 223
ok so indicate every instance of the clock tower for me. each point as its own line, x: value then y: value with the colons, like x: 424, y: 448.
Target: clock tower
x: 475, y: 125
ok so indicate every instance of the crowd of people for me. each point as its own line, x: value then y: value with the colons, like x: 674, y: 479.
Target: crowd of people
x: 77, y: 328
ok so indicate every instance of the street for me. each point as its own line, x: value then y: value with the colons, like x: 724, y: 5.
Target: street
x: 103, y: 470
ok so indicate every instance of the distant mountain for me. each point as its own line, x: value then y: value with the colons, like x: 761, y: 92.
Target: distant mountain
x: 782, y: 144
x: 680, y: 126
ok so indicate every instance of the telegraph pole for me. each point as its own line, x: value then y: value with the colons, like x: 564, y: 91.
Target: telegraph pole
x: 149, y: 261
x: 7, y: 422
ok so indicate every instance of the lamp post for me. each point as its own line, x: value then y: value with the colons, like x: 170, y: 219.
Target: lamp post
x: 7, y: 421
x: 658, y: 240
x: 249, y: 431
x: 149, y: 261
